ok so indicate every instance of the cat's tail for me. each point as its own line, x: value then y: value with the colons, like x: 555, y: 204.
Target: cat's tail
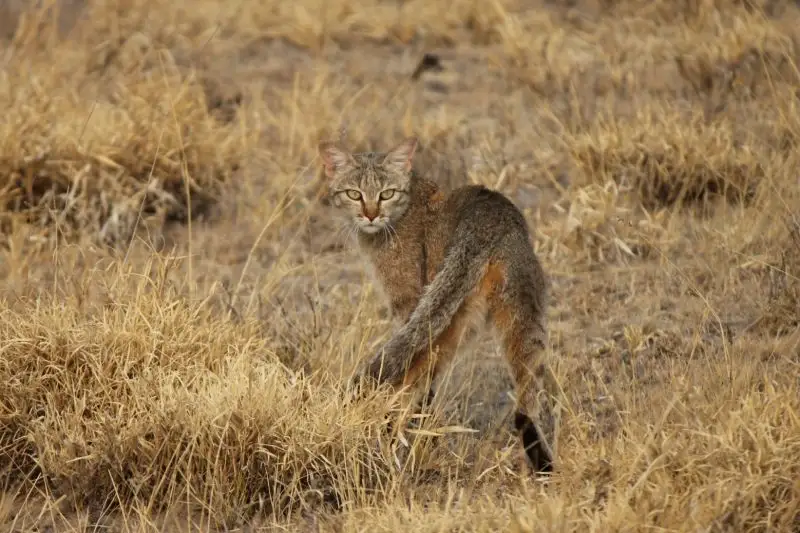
x: 464, y: 266
x: 462, y: 270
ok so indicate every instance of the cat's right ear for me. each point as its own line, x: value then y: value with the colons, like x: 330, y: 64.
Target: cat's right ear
x: 334, y: 159
x: 400, y: 156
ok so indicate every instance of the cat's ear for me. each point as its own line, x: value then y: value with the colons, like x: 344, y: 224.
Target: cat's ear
x: 334, y: 159
x: 401, y: 156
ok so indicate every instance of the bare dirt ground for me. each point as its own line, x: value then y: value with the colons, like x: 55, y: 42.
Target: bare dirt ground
x: 178, y: 313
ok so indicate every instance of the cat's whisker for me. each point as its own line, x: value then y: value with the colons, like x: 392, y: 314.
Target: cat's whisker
x: 394, y: 236
x: 352, y: 232
x: 341, y: 234
x: 392, y: 232
x: 388, y: 232
x: 345, y: 233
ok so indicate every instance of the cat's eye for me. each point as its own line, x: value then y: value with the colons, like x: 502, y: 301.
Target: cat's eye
x: 353, y: 194
x: 387, y: 194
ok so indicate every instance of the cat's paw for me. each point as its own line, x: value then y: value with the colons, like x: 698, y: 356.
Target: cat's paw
x: 387, y: 365
x: 356, y: 388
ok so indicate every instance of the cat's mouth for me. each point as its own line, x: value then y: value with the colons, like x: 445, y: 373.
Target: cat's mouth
x: 370, y: 226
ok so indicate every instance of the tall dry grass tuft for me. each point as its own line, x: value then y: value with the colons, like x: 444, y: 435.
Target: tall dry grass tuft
x: 146, y: 398
x: 672, y: 158
x: 119, y: 147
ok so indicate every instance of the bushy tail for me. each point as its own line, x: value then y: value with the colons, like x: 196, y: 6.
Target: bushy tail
x: 462, y: 270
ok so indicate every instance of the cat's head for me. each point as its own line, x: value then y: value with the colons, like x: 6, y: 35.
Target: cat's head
x: 371, y: 190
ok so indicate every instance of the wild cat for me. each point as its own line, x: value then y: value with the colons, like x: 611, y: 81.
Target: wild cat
x: 442, y: 260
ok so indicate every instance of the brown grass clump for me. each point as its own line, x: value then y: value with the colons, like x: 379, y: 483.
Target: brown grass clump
x: 672, y: 159
x: 189, y: 377
x: 149, y: 398
x: 96, y: 160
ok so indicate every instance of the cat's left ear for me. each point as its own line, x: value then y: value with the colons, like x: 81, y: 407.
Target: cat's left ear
x: 334, y: 159
x: 401, y: 156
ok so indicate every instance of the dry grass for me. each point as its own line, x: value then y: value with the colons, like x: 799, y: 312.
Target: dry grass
x: 178, y: 313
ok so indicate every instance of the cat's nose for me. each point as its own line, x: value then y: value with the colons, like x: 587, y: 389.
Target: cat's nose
x: 371, y: 212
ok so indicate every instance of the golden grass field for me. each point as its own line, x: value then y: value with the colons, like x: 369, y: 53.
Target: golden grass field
x: 179, y: 312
